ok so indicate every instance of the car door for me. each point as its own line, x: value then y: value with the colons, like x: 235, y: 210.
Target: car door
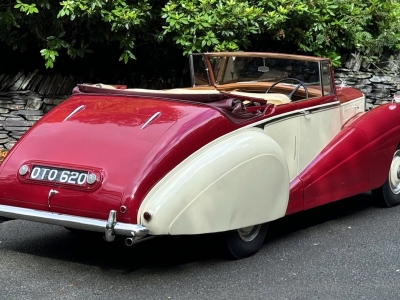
x: 330, y: 157
x: 320, y: 121
x: 317, y: 126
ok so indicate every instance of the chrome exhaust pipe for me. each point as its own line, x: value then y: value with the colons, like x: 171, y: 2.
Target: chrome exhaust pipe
x: 129, y: 241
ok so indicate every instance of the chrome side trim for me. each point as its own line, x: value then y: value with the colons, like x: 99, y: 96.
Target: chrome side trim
x: 152, y: 118
x: 292, y: 114
x: 74, y: 112
x: 116, y: 228
x: 303, y: 112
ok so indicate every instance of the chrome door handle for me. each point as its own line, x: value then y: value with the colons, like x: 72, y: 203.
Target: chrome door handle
x: 306, y: 114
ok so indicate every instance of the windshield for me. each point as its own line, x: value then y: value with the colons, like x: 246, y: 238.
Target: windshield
x: 259, y: 72
x: 245, y: 69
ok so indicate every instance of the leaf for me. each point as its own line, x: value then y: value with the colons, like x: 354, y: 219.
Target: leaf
x: 49, y: 64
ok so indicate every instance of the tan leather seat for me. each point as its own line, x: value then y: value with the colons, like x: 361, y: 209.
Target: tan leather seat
x: 177, y: 91
x: 273, y: 98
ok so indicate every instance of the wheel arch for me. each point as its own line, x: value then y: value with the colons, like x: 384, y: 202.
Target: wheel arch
x: 238, y: 180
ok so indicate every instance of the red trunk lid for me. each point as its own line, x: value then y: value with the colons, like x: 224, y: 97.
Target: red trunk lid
x: 107, y: 134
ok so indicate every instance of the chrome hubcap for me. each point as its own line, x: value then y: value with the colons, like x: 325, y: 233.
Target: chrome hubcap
x: 394, y: 173
x: 249, y: 233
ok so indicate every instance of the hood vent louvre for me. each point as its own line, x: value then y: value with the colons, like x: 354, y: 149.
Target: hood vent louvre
x: 74, y: 112
x: 152, y: 118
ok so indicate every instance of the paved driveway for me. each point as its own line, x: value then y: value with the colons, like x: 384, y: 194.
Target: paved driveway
x: 345, y: 250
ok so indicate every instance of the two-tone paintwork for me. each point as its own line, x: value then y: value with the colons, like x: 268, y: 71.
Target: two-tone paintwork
x: 195, y: 170
x: 106, y: 137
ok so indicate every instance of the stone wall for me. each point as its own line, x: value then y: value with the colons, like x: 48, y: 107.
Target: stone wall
x: 377, y: 81
x: 19, y: 110
x: 25, y: 97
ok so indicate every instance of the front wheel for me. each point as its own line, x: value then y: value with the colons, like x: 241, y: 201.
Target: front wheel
x: 388, y: 195
x: 245, y: 241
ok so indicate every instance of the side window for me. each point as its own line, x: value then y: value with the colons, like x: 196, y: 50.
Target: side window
x: 198, y: 70
x: 326, y: 78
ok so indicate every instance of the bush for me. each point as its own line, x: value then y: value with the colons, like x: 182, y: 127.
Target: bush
x: 321, y: 27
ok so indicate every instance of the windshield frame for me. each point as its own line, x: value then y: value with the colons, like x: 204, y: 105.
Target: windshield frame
x: 211, y: 77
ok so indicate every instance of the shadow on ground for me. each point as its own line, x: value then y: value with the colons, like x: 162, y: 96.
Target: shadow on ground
x: 61, y: 244
x: 336, y: 210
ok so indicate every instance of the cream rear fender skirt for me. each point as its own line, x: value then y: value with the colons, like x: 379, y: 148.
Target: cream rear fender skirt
x: 238, y: 180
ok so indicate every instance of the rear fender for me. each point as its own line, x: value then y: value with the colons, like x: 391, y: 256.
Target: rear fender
x: 238, y: 180
x: 382, y: 128
x: 356, y: 160
x: 340, y: 170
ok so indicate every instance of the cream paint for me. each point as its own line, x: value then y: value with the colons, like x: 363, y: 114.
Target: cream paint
x: 303, y: 137
x: 270, y: 97
x: 303, y: 134
x: 238, y: 180
x: 286, y: 133
x: 351, y: 108
x: 317, y: 129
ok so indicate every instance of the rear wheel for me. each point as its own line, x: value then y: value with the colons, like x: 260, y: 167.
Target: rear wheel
x: 388, y: 195
x: 245, y: 241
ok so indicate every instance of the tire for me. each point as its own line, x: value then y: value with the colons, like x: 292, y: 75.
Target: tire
x: 388, y: 195
x: 246, y: 241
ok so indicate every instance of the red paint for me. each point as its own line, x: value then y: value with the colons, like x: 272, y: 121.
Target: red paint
x: 107, y: 137
x: 339, y: 171
x: 296, y: 197
x: 355, y: 161
x: 382, y: 129
x: 346, y: 94
x: 108, y: 134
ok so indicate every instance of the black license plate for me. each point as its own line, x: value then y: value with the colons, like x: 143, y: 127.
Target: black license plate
x: 58, y: 175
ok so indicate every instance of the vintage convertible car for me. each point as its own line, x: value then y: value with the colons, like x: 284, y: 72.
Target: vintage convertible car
x: 258, y: 136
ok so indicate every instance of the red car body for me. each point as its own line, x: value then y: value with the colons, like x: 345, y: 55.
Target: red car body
x: 141, y: 145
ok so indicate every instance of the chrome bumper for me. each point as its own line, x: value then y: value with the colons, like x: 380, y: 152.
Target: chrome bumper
x: 111, y: 227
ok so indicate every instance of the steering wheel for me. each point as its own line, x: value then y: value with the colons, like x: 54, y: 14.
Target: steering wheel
x: 296, y: 88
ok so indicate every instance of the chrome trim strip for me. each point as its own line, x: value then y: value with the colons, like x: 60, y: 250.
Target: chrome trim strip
x: 292, y: 113
x: 152, y: 118
x: 125, y: 229
x: 74, y: 112
x: 323, y: 107
x: 295, y: 113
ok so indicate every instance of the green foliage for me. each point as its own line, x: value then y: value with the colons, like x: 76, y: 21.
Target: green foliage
x: 200, y: 25
x: 73, y: 26
x: 320, y: 27
x: 26, y: 8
